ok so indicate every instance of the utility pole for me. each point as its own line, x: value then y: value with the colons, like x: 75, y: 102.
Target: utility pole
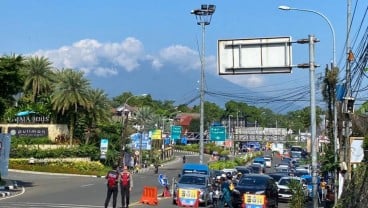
x: 311, y: 65
x: 348, y: 96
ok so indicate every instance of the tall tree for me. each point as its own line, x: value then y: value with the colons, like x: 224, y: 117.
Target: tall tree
x: 70, y: 94
x: 11, y: 80
x: 329, y: 96
x: 38, y: 76
x: 99, y: 111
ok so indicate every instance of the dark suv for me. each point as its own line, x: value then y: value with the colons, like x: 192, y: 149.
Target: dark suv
x: 253, y: 185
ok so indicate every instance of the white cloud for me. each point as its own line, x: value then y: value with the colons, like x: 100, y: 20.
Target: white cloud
x: 106, y: 59
x: 92, y: 56
x: 250, y: 81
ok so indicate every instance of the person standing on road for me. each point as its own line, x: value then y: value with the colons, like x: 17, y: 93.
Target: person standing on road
x: 126, y: 185
x: 323, y: 185
x: 112, y: 186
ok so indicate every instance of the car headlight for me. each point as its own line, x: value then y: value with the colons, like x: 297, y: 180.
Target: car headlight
x: 260, y: 192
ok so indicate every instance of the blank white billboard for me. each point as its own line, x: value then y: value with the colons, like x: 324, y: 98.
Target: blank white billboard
x: 254, y: 56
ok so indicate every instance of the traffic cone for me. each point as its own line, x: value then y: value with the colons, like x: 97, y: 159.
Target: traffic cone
x: 166, y: 192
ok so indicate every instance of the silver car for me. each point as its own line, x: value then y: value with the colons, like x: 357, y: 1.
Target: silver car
x: 195, y: 181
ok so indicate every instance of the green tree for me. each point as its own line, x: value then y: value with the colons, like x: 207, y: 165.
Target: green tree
x: 38, y: 76
x: 11, y: 80
x: 99, y: 111
x: 71, y: 95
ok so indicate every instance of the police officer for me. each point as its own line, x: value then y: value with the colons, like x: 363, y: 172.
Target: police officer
x: 112, y: 186
x: 126, y: 185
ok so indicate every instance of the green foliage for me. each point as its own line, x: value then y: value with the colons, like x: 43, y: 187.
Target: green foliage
x: 74, y: 167
x: 219, y: 165
x: 62, y: 152
x: 15, y: 141
x: 298, y: 199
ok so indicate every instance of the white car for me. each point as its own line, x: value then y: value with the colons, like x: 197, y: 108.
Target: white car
x: 285, y: 193
x: 268, y: 162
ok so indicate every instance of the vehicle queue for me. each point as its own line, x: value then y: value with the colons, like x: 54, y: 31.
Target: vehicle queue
x: 264, y: 181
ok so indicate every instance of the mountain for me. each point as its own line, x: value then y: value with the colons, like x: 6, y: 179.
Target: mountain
x: 165, y: 84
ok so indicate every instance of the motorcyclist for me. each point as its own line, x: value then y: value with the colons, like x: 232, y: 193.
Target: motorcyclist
x: 184, y: 159
x: 226, y: 190
x: 216, y: 192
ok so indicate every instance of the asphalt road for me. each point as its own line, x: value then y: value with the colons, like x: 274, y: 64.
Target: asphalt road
x: 59, y: 191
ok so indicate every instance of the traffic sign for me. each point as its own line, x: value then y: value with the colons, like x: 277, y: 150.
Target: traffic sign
x: 175, y: 132
x: 217, y: 133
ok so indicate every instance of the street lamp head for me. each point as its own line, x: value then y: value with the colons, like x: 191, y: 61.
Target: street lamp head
x: 284, y: 8
x: 204, y: 14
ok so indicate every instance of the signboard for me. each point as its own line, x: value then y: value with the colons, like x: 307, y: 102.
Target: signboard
x: 162, y: 179
x: 155, y: 134
x: 29, y: 131
x: 217, y: 133
x: 138, y: 139
x: 188, y: 197
x: 4, y: 154
x: 254, y: 200
x: 254, y: 56
x: 356, y: 151
x: 175, y: 132
x: 104, y: 143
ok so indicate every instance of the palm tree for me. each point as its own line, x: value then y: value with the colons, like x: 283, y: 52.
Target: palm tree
x: 11, y: 80
x: 146, y: 117
x: 38, y: 76
x: 99, y: 110
x: 70, y: 95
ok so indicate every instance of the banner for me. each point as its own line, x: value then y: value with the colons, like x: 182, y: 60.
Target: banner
x: 139, y: 138
x: 155, y: 134
x: 4, y: 154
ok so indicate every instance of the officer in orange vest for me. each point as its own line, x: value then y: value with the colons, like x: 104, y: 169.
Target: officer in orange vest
x: 126, y: 185
x: 112, y: 186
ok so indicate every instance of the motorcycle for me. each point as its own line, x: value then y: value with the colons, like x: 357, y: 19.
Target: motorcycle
x: 217, y: 201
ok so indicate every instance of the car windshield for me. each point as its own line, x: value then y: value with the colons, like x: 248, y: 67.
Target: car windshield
x: 192, y: 180
x: 286, y: 181
x: 244, y: 171
x: 253, y: 181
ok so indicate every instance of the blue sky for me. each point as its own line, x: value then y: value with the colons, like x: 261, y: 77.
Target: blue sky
x: 152, y: 46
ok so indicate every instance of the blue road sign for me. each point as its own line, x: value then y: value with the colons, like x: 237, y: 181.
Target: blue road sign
x: 175, y: 132
x: 217, y: 133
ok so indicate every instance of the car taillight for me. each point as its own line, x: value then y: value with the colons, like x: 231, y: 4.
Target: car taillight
x: 265, y: 202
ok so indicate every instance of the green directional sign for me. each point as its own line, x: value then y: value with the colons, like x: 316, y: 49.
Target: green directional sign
x: 217, y: 133
x: 175, y: 132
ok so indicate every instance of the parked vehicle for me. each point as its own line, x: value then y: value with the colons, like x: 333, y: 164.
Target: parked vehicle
x: 194, y: 181
x: 258, y: 188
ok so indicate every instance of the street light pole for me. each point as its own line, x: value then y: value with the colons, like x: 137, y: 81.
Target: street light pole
x: 334, y: 100
x: 328, y: 22
x: 203, y: 16
x: 123, y: 129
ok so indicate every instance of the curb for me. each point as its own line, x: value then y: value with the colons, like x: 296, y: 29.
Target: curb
x: 187, y: 152
x: 4, y: 194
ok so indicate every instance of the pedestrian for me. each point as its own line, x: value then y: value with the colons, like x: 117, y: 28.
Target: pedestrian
x: 126, y: 185
x: 112, y: 186
x: 323, y: 185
